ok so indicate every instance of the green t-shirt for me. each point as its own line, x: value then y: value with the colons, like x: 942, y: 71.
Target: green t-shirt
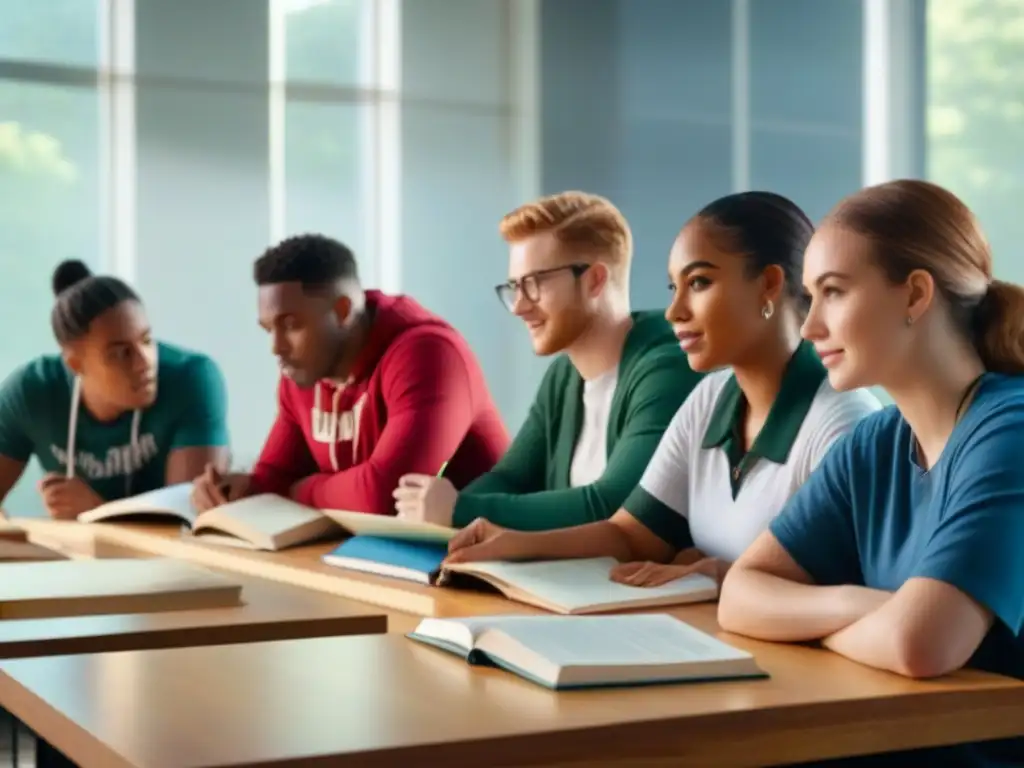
x: 190, y: 411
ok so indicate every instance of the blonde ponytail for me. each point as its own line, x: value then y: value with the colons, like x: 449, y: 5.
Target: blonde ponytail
x: 999, y: 328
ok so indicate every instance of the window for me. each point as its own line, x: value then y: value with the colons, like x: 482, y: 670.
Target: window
x: 50, y: 171
x: 49, y: 182
x: 322, y: 122
x: 325, y: 160
x: 975, y: 115
x: 325, y: 41
x: 391, y: 126
x: 64, y: 32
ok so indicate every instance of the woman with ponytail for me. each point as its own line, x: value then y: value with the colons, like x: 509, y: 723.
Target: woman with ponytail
x: 903, y: 549
x: 116, y: 413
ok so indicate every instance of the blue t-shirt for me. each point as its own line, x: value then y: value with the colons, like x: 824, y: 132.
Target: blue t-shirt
x: 190, y: 411
x: 871, y: 516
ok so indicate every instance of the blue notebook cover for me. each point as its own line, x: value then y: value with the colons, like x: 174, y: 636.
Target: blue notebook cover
x: 412, y: 560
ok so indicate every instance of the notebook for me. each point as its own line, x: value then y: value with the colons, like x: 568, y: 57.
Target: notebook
x: 560, y: 586
x: 418, y: 561
x: 564, y: 652
x: 86, y: 587
x: 263, y: 522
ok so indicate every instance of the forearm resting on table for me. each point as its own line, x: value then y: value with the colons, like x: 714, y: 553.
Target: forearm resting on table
x: 763, y: 606
x: 928, y: 628
x: 873, y: 641
x: 601, y: 539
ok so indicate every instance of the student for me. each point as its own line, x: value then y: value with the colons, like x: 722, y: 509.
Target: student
x: 372, y: 387
x: 132, y: 413
x: 602, y: 405
x: 903, y: 550
x: 746, y: 438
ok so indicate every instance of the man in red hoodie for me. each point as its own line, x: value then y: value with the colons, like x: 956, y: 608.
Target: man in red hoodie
x: 372, y: 387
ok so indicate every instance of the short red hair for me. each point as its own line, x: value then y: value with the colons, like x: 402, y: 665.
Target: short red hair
x: 586, y: 224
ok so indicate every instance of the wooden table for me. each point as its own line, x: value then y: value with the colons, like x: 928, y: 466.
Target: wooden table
x: 269, y: 612
x: 404, y: 601
x: 13, y: 551
x: 383, y: 700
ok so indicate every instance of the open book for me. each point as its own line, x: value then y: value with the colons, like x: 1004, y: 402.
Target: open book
x: 84, y: 587
x: 587, y: 651
x: 265, y: 521
x: 560, y: 586
x: 580, y: 586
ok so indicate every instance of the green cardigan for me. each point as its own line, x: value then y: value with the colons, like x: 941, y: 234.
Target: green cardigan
x: 529, y: 490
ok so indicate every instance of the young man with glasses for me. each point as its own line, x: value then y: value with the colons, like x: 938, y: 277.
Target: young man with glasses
x: 602, y: 406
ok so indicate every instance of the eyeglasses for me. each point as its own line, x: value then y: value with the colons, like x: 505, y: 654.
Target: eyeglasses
x: 529, y: 284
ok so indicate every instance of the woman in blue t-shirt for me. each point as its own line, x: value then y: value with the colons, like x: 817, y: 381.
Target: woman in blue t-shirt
x: 903, y: 549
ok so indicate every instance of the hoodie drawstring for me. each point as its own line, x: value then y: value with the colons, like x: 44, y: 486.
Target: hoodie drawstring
x: 76, y: 398
x: 355, y: 432
x: 333, y: 433
x: 334, y: 428
x: 76, y: 401
x: 136, y: 451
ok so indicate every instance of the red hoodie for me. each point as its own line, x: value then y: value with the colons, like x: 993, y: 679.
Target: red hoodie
x: 416, y: 399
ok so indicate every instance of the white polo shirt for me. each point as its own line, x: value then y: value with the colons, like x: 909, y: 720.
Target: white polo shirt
x: 701, y: 490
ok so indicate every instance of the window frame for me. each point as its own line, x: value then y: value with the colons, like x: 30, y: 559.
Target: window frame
x: 379, y: 135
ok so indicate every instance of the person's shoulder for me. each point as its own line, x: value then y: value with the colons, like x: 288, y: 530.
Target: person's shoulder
x: 664, y: 357
x: 997, y: 411
x: 849, y: 406
x: 43, y: 376
x: 874, y: 429
x: 559, y: 373
x: 708, y: 389
x: 986, y: 442
x: 189, y: 377
x: 1000, y: 394
x: 653, y: 360
x: 183, y: 365
x: 697, y: 409
x: 430, y: 339
x: 651, y: 344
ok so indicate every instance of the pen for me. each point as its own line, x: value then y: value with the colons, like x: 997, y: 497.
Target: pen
x: 442, y: 574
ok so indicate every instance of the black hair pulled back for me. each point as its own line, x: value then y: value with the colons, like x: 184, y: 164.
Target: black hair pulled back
x: 81, y: 297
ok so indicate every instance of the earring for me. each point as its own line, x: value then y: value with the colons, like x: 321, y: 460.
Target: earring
x: 910, y: 320
x: 768, y: 310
